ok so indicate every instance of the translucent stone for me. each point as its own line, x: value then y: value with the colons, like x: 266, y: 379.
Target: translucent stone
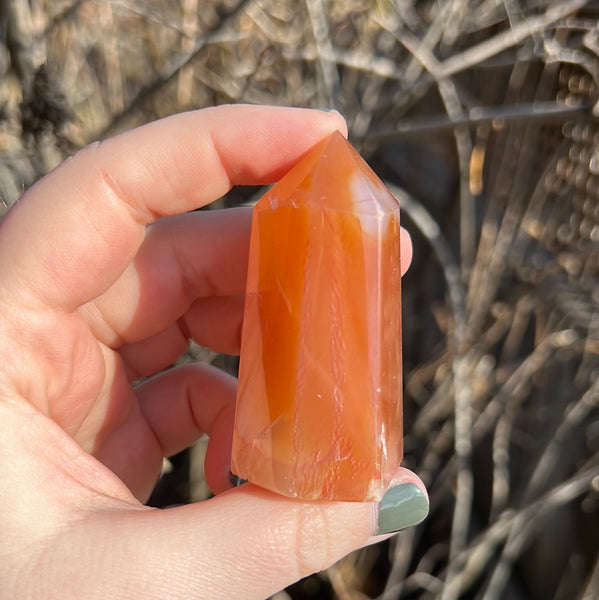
x: 319, y: 398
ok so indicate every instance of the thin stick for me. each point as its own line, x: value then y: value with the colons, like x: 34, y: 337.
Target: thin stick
x: 527, y: 523
x: 460, y: 370
x: 325, y: 52
x: 169, y: 74
x: 507, y: 39
x: 541, y: 112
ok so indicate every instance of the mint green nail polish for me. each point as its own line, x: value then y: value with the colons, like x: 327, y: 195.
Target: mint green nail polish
x: 402, y: 506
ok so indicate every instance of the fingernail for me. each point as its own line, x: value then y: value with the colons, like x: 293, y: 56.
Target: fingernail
x: 402, y: 506
x: 235, y: 480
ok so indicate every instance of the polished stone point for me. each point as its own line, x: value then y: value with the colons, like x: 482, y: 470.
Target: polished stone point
x: 319, y: 410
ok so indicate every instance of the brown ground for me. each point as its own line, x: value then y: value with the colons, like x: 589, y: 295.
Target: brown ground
x: 481, y: 115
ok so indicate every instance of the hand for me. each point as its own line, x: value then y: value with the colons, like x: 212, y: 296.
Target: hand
x: 103, y: 279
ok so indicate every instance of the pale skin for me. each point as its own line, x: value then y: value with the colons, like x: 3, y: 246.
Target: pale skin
x: 103, y: 279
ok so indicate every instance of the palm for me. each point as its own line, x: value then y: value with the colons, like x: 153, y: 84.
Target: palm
x: 89, y: 357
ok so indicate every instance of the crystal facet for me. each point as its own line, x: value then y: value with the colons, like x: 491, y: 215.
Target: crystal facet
x: 319, y: 396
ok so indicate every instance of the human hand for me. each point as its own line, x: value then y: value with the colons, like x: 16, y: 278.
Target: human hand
x: 103, y: 279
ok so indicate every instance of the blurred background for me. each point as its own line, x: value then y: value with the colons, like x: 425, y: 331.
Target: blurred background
x: 481, y: 115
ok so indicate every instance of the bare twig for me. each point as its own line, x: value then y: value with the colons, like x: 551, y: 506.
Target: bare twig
x: 67, y: 13
x: 517, y: 385
x: 449, y: 95
x: 526, y: 525
x: 379, y: 66
x: 540, y: 112
x: 324, y: 49
x: 400, y: 564
x: 573, y: 418
x: 424, y: 48
x: 460, y: 369
x: 111, y: 57
x: 189, y: 27
x: 119, y: 120
x: 518, y: 527
x: 25, y: 44
x: 591, y: 590
x: 432, y: 232
x: 509, y: 38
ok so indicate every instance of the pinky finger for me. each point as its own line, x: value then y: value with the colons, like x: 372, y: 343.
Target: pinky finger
x: 182, y: 404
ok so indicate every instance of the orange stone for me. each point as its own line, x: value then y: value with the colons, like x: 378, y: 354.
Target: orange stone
x: 319, y: 398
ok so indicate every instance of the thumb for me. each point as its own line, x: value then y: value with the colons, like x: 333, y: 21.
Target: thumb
x: 251, y: 543
x: 245, y: 543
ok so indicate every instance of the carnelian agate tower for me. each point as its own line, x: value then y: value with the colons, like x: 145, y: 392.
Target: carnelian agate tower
x: 319, y: 398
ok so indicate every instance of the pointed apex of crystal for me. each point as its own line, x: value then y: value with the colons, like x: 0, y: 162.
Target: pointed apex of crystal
x: 332, y: 166
x: 319, y: 397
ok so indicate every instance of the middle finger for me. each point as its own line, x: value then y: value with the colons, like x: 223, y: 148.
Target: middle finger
x: 182, y: 260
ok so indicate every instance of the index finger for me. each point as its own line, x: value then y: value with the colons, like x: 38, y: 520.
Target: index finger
x: 86, y: 220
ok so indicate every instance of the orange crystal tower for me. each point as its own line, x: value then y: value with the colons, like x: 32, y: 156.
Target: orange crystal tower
x: 319, y: 398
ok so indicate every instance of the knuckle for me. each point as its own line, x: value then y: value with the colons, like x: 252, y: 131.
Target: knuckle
x: 314, y: 539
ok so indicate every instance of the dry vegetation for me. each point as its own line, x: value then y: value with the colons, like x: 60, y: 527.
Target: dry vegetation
x: 482, y: 117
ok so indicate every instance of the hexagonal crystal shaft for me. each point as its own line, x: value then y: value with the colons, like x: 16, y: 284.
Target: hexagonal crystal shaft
x: 319, y: 398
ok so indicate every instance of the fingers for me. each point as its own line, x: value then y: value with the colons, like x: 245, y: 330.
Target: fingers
x: 87, y: 219
x: 187, y: 279
x: 183, y: 403
x: 406, y: 251
x: 256, y: 543
x: 155, y: 353
x: 246, y: 543
x: 183, y: 258
x: 175, y: 409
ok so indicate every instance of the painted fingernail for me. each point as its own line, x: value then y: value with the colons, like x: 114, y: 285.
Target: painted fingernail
x: 402, y: 506
x: 235, y: 480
